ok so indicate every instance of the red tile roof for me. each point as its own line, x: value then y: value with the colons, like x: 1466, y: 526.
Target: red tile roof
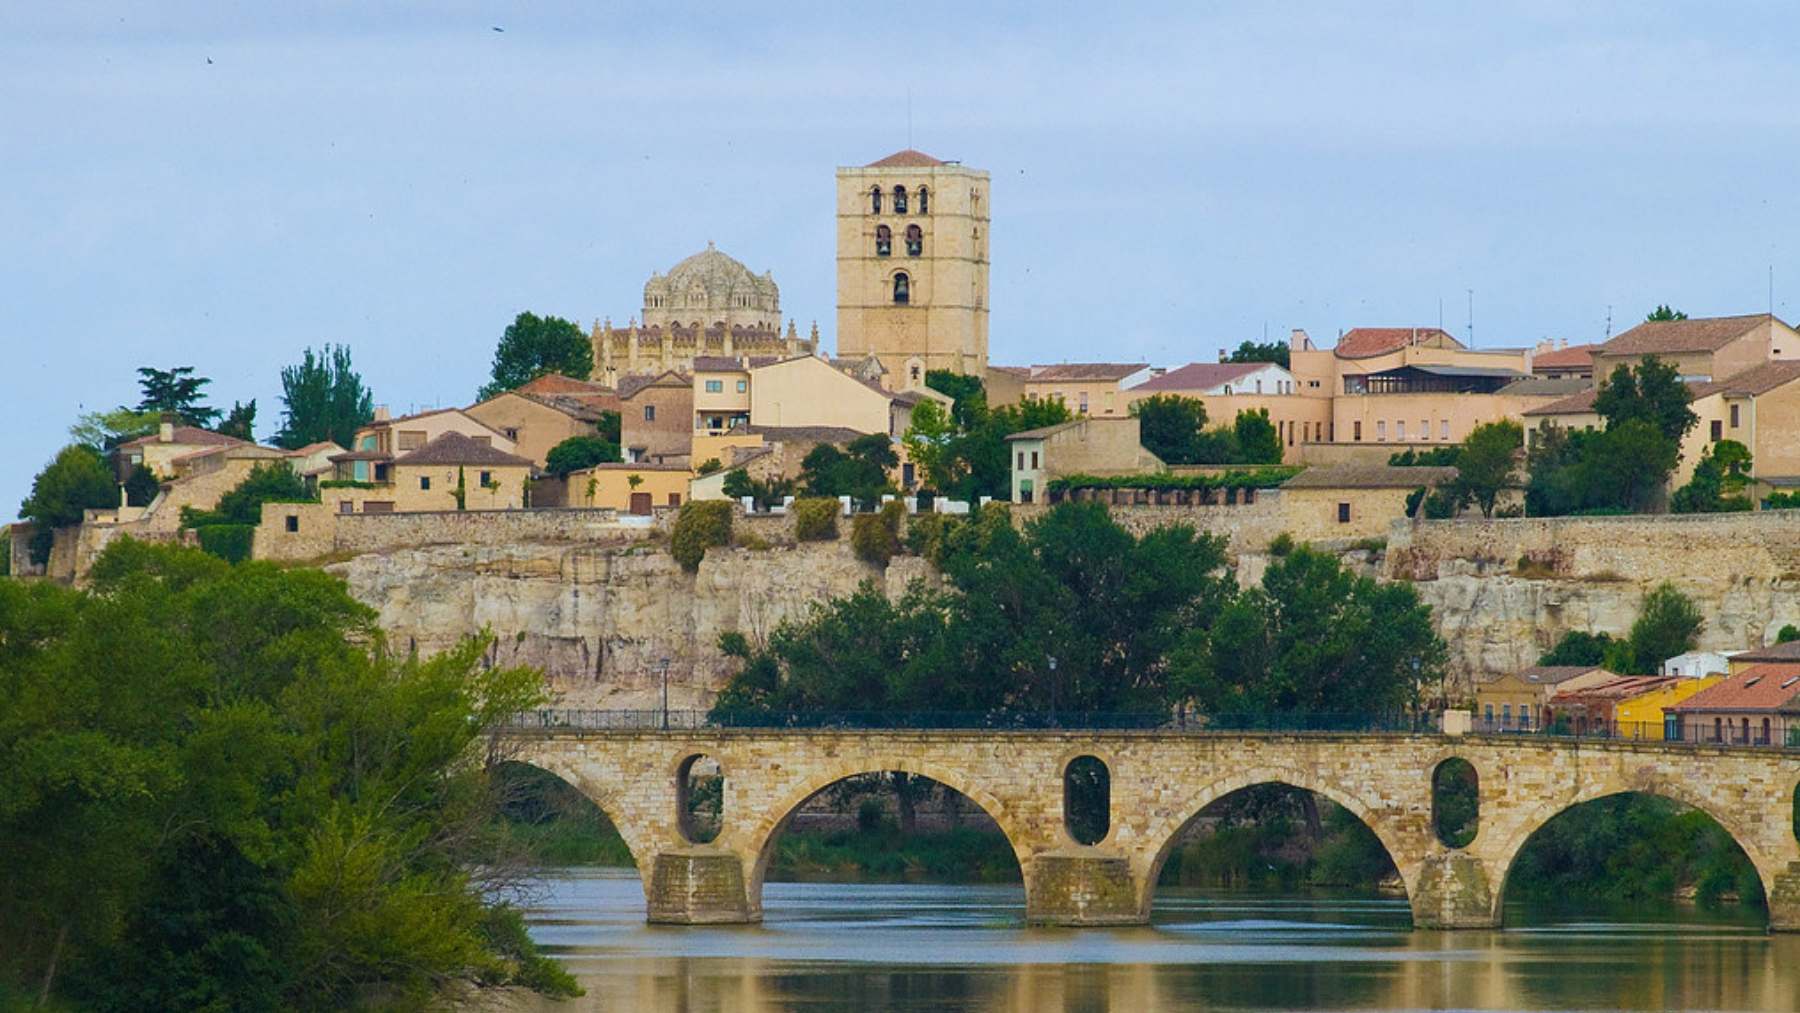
x: 191, y: 435
x: 1704, y: 334
x: 1788, y: 652
x: 455, y: 448
x: 1069, y: 371
x: 1551, y: 675
x: 1573, y: 357
x: 1756, y: 380
x: 1200, y: 375
x: 1574, y: 404
x: 1365, y: 342
x: 556, y: 383
x: 1757, y: 688
x: 1615, y: 689
x: 906, y: 158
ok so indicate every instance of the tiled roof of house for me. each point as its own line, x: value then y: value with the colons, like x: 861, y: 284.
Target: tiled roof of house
x: 906, y: 158
x: 802, y: 434
x: 1551, y: 675
x: 1369, y: 476
x: 1788, y: 652
x: 730, y: 363
x: 361, y: 455
x: 455, y: 448
x: 1572, y: 357
x: 1574, y: 404
x: 1364, y: 342
x: 1043, y: 431
x: 314, y: 448
x: 578, y: 408
x: 192, y: 435
x: 1066, y: 371
x: 632, y: 386
x: 1543, y: 386
x: 1200, y: 375
x: 1018, y: 371
x: 634, y: 466
x: 1757, y: 688
x: 1619, y: 687
x: 1703, y: 334
x: 557, y: 383
x: 1756, y: 380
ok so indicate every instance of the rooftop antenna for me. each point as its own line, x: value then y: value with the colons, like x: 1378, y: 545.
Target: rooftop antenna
x: 1771, y: 289
x: 1609, y: 321
x: 1471, y: 316
x: 1440, y: 312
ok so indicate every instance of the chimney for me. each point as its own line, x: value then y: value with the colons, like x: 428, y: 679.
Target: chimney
x: 381, y: 413
x: 165, y: 433
x: 1222, y: 355
x: 1298, y: 341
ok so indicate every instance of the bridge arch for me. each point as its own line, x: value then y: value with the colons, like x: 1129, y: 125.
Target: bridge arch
x: 759, y: 837
x: 1165, y: 833
x: 604, y: 800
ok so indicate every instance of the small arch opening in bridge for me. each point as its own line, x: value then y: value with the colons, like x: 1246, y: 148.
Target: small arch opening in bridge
x: 700, y: 798
x: 888, y: 826
x: 1273, y: 837
x: 1633, y: 856
x: 1087, y: 799
x: 1456, y: 802
x: 546, y: 821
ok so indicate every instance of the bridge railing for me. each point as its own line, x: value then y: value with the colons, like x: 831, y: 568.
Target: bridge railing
x: 694, y: 720
x: 1683, y: 733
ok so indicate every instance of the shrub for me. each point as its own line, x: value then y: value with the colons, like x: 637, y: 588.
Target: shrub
x: 230, y: 542
x: 876, y: 536
x: 815, y: 519
x: 1788, y: 634
x: 1281, y: 544
x: 578, y: 452
x: 925, y: 535
x: 700, y: 525
x: 709, y: 466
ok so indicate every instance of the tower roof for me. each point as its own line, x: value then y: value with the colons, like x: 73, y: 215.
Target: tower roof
x: 716, y: 273
x: 905, y: 159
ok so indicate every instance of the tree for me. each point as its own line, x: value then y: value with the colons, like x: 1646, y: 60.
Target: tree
x: 578, y: 452
x: 240, y: 421
x: 1578, y: 647
x: 141, y: 486
x: 963, y: 453
x: 1720, y: 477
x: 1668, y: 624
x: 764, y: 494
x: 1486, y: 461
x: 103, y: 431
x: 1653, y: 392
x: 1788, y: 634
x: 268, y: 482
x: 176, y: 391
x: 218, y: 784
x: 77, y: 480
x: 1267, y: 351
x: 1170, y: 427
x: 859, y: 471
x: 1663, y: 313
x: 533, y: 346
x: 323, y: 400
x: 1258, y: 441
x: 968, y: 395
x: 931, y: 444
x: 1627, y: 465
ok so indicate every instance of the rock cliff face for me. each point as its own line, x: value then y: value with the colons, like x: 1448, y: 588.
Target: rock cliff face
x: 600, y: 620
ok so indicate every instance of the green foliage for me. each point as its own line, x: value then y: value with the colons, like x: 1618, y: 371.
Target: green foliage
x: 815, y: 518
x: 963, y: 453
x: 1257, y: 440
x: 700, y: 525
x: 1578, y: 647
x: 1788, y: 634
x: 1653, y: 392
x: 1313, y: 639
x: 859, y: 471
x: 1455, y: 802
x: 533, y: 346
x: 240, y: 422
x: 323, y: 400
x: 1262, y: 838
x: 141, y: 486
x: 1720, y: 477
x: 928, y: 534
x: 1170, y: 425
x: 1441, y: 503
x: 268, y: 482
x: 881, y: 852
x: 214, y: 783
x: 1781, y: 501
x: 102, y: 431
x: 77, y: 480
x: 552, y: 822
x: 178, y: 392
x: 709, y: 466
x: 1668, y: 623
x: 1261, y: 351
x: 764, y: 494
x: 1254, y: 478
x: 1632, y: 847
x: 1663, y: 313
x: 1281, y: 544
x: 1621, y: 469
x: 1485, y: 463
x: 1436, y: 457
x: 876, y: 536
x: 230, y: 542
x: 968, y: 394
x: 347, y: 483
x: 578, y: 452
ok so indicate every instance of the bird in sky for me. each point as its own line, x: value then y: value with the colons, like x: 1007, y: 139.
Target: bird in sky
x: 497, y: 28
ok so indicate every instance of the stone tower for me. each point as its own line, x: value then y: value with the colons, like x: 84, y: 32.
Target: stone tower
x: 912, y: 266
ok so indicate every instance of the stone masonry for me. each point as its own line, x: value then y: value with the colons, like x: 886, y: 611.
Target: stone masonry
x: 1160, y: 783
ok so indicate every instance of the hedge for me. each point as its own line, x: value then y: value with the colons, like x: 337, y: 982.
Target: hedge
x: 230, y: 542
x: 1162, y: 481
x: 815, y: 518
x: 876, y: 536
x: 700, y: 525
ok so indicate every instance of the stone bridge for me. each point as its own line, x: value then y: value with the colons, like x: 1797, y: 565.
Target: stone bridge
x: 1160, y: 781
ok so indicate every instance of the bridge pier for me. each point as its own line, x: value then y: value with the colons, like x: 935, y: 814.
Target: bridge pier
x: 698, y: 886
x: 1082, y: 887
x: 1451, y: 891
x: 1784, y: 900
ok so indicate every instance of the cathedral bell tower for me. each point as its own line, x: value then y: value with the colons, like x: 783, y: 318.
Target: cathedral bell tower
x: 912, y: 266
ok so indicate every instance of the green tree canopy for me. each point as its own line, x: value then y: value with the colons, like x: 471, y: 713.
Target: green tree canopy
x: 533, y: 346
x: 268, y: 482
x: 240, y: 421
x: 1261, y: 351
x: 219, y: 791
x: 103, y: 431
x: 1653, y: 392
x: 1668, y: 623
x: 1720, y: 477
x: 1486, y: 460
x: 77, y: 479
x: 176, y: 391
x: 859, y: 471
x: 323, y: 399
x: 1663, y: 313
x: 1258, y: 441
x: 962, y: 453
x: 578, y: 452
x: 1170, y: 426
x: 1578, y: 647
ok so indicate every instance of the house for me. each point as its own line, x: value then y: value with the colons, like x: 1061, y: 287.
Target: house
x: 1773, y: 654
x: 377, y: 445
x: 1757, y: 706
x: 1352, y: 501
x: 656, y: 418
x: 1561, y: 360
x: 807, y: 391
x: 1576, y: 411
x: 556, y: 385
x: 535, y: 423
x: 1084, y: 446
x: 313, y: 461
x: 1088, y: 388
x: 722, y: 392
x: 1227, y: 388
x: 628, y: 487
x: 453, y: 471
x: 787, y: 447
x: 1516, y: 701
x: 1603, y: 708
x: 158, y: 450
x: 1702, y: 348
x: 1759, y: 408
x: 1698, y: 664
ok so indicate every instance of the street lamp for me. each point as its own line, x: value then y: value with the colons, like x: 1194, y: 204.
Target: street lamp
x: 664, y: 664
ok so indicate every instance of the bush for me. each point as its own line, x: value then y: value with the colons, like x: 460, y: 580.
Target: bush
x: 578, y: 452
x: 700, y: 525
x: 1788, y: 634
x: 230, y: 542
x: 815, y: 519
x: 1281, y: 544
x: 925, y: 535
x: 709, y: 466
x: 876, y: 536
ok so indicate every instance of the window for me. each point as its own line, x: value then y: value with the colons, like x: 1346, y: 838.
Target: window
x: 915, y: 240
x: 1444, y: 429
x: 412, y: 439
x: 1034, y: 460
x: 1228, y: 390
x: 1734, y: 416
x: 674, y: 499
x: 1506, y: 714
x: 902, y: 289
x: 875, y: 200
x: 899, y: 200
x: 487, y: 478
x: 884, y: 240
x: 345, y: 507
x: 1259, y: 386
x: 1343, y: 513
x: 293, y: 523
x: 512, y: 434
x: 1356, y: 430
x: 649, y: 413
x: 1290, y: 433
x: 715, y: 386
x: 1400, y: 430
x: 425, y: 482
x: 1021, y: 460
x: 1381, y: 431
x: 1084, y: 402
x: 924, y: 201
x: 914, y: 372
x: 1718, y: 430
x: 1424, y: 429
x: 743, y: 385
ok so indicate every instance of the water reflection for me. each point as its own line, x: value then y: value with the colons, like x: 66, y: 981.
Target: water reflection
x: 915, y: 947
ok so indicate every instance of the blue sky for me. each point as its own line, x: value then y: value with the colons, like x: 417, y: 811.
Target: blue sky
x: 1168, y: 179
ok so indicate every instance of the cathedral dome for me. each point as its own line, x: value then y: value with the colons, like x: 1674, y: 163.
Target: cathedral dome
x: 712, y: 282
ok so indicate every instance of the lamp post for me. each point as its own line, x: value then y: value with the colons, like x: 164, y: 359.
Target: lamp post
x: 664, y: 664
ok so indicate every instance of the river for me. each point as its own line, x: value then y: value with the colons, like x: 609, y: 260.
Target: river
x: 836, y: 946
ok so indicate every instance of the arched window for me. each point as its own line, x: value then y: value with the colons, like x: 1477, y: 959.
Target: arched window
x: 875, y: 200
x: 915, y: 240
x: 884, y: 240
x: 924, y: 201
x: 1087, y: 799
x: 902, y: 288
x: 899, y: 200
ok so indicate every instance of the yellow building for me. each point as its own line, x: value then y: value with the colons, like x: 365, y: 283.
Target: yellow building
x: 630, y: 487
x: 809, y: 391
x: 912, y: 266
x: 451, y: 472
x: 1227, y: 388
x: 1085, y: 446
x: 1644, y: 711
x: 535, y: 424
x: 159, y: 450
x: 1352, y: 501
x: 1517, y: 701
x: 1704, y: 348
x: 1099, y: 389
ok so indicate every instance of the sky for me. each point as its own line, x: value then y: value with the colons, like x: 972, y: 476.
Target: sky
x: 223, y: 185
